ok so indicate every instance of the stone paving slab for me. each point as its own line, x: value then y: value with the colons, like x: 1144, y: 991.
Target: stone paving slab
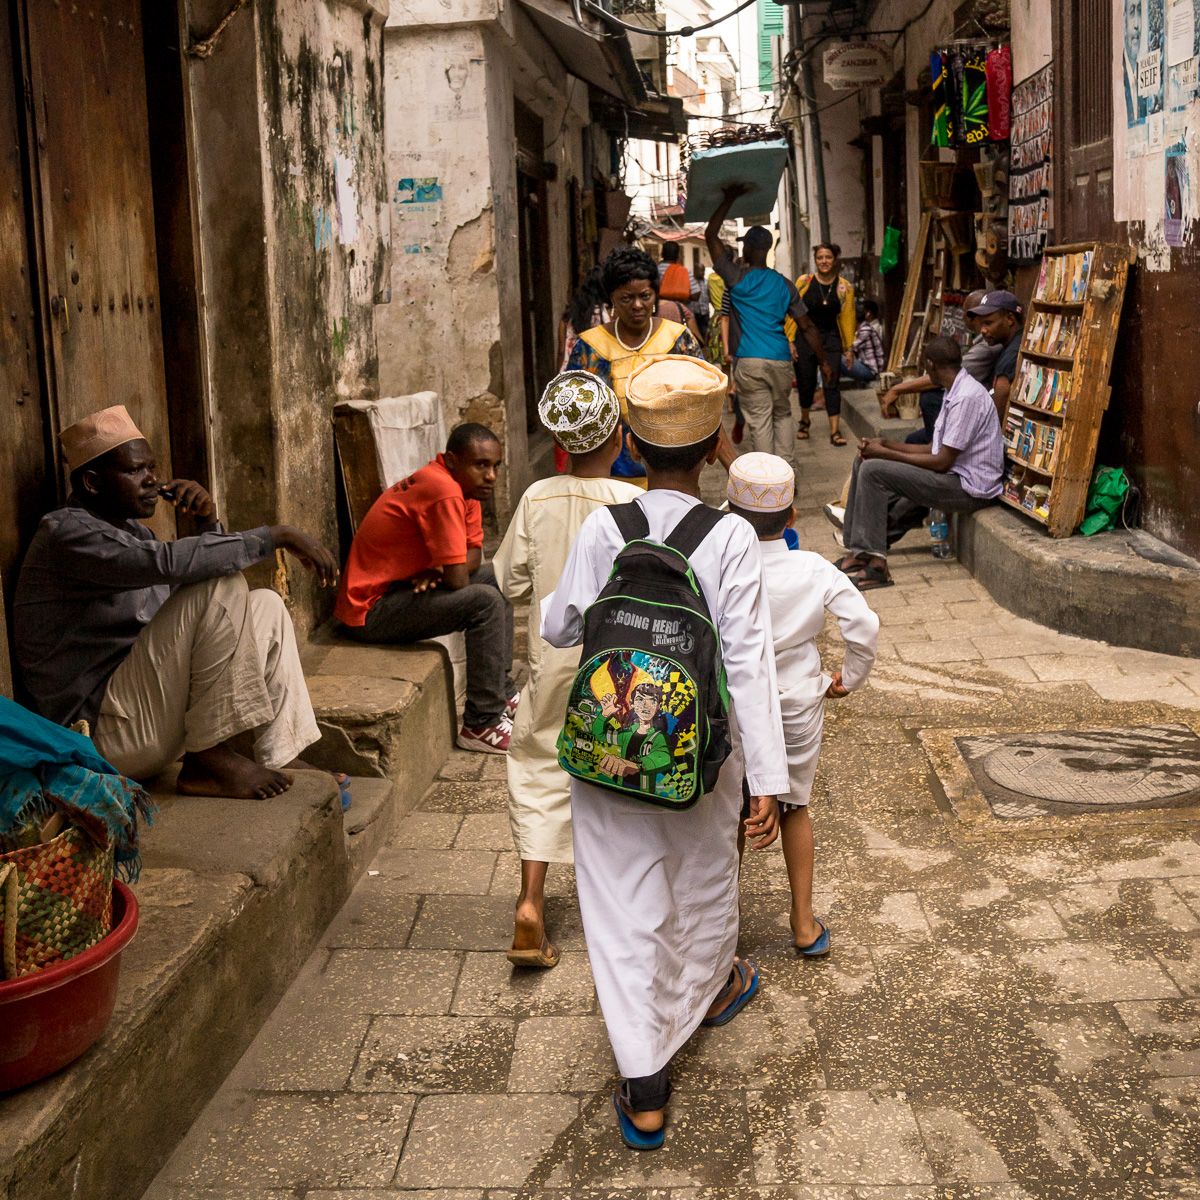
x: 1008, y: 1013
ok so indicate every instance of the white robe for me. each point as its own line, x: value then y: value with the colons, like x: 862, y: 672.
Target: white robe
x: 658, y: 890
x: 528, y: 565
x: 801, y: 587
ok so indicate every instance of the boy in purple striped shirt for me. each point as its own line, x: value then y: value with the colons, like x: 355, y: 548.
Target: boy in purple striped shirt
x: 895, y: 484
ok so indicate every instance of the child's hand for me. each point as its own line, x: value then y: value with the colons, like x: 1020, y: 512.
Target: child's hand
x: 762, y: 825
x: 836, y: 689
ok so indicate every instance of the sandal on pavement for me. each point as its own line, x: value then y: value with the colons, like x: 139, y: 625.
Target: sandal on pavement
x: 802, y: 428
x: 743, y: 998
x: 820, y: 947
x: 836, y: 439
x: 631, y: 1135
x: 873, y: 578
x: 547, y: 955
x: 852, y: 565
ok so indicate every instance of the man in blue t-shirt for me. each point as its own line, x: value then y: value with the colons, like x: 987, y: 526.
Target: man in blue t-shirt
x: 760, y: 301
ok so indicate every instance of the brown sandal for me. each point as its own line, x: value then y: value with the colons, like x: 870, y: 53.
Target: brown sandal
x: 802, y: 430
x: 836, y: 439
x: 546, y: 955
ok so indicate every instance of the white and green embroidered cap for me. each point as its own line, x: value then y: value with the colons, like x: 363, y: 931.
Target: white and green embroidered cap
x: 580, y: 410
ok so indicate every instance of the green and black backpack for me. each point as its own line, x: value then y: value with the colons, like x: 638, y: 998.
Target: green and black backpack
x: 648, y: 715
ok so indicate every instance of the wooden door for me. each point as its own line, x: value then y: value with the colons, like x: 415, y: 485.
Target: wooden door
x: 94, y: 218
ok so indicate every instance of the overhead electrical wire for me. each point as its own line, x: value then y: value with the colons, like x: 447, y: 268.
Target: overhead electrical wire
x: 684, y: 31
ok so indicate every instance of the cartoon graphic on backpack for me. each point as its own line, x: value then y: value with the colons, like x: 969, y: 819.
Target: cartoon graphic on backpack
x: 648, y: 714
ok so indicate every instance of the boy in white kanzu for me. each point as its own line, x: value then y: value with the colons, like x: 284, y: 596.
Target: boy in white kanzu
x: 583, y: 414
x: 801, y: 588
x: 658, y: 890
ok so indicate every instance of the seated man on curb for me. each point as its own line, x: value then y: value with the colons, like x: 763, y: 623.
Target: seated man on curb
x: 160, y: 646
x: 999, y: 316
x: 979, y: 362
x: 894, y: 484
x: 415, y: 571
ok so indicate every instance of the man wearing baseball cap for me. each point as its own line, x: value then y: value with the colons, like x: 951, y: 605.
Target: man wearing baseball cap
x: 160, y: 646
x: 999, y: 316
x: 760, y: 301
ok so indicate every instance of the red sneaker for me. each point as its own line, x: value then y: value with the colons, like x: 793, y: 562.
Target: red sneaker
x: 510, y: 709
x: 493, y: 740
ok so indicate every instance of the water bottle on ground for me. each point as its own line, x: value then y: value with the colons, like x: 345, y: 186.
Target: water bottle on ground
x: 939, y: 533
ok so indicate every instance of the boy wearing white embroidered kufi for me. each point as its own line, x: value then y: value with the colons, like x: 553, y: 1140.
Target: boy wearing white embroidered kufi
x: 801, y: 588
x: 658, y: 889
x: 583, y: 414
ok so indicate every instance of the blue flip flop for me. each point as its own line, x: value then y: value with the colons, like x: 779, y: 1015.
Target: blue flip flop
x: 631, y: 1135
x: 734, y: 1007
x: 820, y: 947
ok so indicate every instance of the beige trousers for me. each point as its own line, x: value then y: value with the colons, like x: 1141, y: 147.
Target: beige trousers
x: 764, y: 387
x: 216, y: 660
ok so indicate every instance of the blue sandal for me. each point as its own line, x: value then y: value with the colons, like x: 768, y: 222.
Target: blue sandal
x: 747, y: 994
x: 631, y: 1135
x: 820, y: 947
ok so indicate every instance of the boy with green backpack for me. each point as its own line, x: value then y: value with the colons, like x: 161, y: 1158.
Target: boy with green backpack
x: 674, y: 699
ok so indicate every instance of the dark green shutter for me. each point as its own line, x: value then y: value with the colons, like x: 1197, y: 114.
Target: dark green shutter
x: 770, y: 25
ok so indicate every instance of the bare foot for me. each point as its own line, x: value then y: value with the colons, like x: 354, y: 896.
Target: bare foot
x: 221, y: 771
x: 647, y: 1122
x: 805, y: 931
x: 528, y: 927
x: 730, y: 992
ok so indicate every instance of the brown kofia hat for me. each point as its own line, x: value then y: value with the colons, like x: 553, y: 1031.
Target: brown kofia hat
x: 98, y: 434
x: 675, y: 400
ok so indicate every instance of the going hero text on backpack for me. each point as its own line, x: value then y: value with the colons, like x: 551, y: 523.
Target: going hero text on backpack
x: 648, y: 714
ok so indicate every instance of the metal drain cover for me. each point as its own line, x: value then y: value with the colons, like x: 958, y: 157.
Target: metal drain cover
x: 1085, y: 770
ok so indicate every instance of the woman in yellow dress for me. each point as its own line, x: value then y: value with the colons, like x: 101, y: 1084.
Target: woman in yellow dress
x: 612, y: 350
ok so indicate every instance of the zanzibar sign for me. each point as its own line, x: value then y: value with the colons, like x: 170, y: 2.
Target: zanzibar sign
x: 857, y: 64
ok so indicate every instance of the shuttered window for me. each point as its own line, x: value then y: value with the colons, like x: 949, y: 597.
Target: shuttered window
x: 770, y: 25
x: 1092, y: 109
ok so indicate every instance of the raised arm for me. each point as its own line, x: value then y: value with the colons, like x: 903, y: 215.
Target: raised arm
x: 712, y: 235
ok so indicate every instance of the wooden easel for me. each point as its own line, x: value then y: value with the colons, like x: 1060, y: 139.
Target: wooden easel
x: 911, y: 284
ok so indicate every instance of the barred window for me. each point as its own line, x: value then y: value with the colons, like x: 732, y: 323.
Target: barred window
x: 1092, y: 110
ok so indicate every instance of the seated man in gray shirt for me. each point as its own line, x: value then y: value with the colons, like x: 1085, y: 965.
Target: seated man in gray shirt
x: 160, y: 646
x: 894, y: 484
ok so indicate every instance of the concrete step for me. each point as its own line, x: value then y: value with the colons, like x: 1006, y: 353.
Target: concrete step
x: 1123, y: 587
x: 233, y: 895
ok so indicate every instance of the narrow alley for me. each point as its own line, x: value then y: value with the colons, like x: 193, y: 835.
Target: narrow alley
x: 1005, y: 1015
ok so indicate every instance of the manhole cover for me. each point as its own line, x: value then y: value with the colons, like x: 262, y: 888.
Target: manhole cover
x: 1085, y: 770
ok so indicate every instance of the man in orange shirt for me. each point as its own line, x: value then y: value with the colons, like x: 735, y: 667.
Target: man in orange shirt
x: 415, y: 570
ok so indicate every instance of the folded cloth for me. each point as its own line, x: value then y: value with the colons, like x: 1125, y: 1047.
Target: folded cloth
x: 27, y: 740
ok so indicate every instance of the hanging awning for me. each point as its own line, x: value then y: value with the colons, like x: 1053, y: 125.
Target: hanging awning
x: 591, y: 51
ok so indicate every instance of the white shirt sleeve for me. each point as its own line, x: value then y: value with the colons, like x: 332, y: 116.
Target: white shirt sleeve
x: 580, y: 584
x: 748, y: 649
x: 511, y: 563
x: 859, y: 626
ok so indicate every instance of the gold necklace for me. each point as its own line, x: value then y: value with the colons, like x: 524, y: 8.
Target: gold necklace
x: 631, y: 349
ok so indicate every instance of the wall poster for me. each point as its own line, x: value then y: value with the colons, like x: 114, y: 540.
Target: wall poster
x: 1029, y: 176
x: 1155, y: 78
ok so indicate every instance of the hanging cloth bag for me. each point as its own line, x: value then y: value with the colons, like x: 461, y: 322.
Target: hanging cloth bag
x: 1105, y: 499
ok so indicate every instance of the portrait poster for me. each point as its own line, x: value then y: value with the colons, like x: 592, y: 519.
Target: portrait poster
x: 1029, y: 178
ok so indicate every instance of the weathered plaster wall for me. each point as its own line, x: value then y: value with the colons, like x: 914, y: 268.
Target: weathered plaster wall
x: 454, y: 324
x: 1032, y: 37
x: 288, y: 118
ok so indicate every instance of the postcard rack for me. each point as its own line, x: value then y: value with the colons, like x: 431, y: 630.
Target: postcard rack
x: 1061, y: 389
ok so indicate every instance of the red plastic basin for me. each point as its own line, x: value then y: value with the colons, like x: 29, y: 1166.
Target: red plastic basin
x: 51, y: 1017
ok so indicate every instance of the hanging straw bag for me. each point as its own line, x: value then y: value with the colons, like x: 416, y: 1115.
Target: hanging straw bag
x: 55, y: 901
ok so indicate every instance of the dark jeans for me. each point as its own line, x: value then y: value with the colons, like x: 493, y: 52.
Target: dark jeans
x: 887, y: 499
x: 807, y: 371
x: 860, y: 372
x: 648, y: 1093
x: 931, y: 407
x: 479, y: 611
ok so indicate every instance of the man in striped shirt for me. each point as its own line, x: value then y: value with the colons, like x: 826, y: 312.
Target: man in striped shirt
x: 895, y: 483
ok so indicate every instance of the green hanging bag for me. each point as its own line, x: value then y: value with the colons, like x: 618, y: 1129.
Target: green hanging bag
x: 890, y: 257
